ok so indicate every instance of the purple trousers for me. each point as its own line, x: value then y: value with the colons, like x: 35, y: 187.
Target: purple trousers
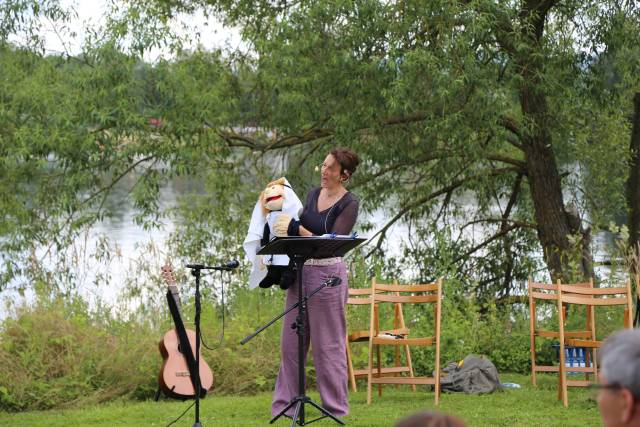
x: 326, y: 330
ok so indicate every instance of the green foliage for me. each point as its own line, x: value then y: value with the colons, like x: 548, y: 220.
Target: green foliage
x: 249, y: 368
x: 57, y: 355
x: 431, y: 96
x: 434, y: 96
x: 467, y: 328
x: 62, y: 354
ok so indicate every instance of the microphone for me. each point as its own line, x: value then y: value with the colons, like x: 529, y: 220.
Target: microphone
x: 332, y: 282
x: 230, y: 265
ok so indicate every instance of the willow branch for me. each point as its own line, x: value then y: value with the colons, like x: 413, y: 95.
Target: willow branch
x: 512, y: 200
x: 517, y: 163
x: 104, y: 190
x: 456, y: 184
x: 522, y: 224
x: 499, y: 234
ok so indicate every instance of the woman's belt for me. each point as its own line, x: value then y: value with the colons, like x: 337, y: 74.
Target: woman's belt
x: 323, y: 261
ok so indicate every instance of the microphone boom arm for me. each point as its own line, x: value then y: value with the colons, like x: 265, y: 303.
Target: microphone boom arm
x: 226, y: 267
x: 334, y: 281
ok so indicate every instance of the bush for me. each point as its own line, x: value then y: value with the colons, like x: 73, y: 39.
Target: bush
x: 54, y: 355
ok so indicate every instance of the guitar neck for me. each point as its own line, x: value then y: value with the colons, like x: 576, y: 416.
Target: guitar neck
x: 175, y: 294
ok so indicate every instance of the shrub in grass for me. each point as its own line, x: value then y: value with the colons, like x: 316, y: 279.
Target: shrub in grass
x: 55, y: 355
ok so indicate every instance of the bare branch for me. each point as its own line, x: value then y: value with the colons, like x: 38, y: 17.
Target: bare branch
x: 512, y: 200
x: 235, y: 139
x: 117, y: 179
x: 518, y: 163
x: 104, y: 190
x: 408, y: 208
x: 499, y: 234
x: 238, y: 140
x: 511, y: 125
x: 513, y: 141
x: 404, y: 164
x: 523, y: 224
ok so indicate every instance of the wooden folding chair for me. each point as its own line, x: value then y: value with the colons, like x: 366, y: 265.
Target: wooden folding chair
x: 589, y: 297
x: 547, y: 292
x: 362, y: 296
x: 404, y: 294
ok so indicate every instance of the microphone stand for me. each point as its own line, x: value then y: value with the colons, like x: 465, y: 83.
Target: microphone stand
x: 195, y: 271
x: 301, y: 249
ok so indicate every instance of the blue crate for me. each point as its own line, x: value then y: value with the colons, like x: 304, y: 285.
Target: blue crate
x: 574, y: 357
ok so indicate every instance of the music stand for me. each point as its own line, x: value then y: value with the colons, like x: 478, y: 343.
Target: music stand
x: 300, y: 249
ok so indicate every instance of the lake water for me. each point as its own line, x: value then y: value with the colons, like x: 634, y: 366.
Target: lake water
x: 131, y: 245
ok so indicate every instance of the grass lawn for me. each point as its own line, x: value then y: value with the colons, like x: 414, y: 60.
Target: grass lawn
x: 527, y: 406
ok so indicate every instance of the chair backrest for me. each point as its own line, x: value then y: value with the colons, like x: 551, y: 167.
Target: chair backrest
x: 549, y: 292
x: 362, y: 296
x: 593, y: 297
x: 359, y: 296
x: 409, y: 294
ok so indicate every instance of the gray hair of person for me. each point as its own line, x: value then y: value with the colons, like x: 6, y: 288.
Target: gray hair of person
x: 620, y: 359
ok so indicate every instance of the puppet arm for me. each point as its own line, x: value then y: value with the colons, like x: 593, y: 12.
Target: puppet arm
x: 287, y: 226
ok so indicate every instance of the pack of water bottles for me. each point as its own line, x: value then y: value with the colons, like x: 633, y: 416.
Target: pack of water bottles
x: 574, y: 357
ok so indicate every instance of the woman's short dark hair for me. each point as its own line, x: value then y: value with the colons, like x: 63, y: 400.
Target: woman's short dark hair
x: 348, y: 160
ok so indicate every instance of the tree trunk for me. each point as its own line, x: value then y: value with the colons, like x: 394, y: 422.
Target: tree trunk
x: 633, y: 185
x: 555, y: 224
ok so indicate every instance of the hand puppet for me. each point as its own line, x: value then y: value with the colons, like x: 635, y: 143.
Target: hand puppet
x: 277, y: 199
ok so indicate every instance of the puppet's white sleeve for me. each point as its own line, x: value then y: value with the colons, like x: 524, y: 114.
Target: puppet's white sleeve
x: 252, y: 244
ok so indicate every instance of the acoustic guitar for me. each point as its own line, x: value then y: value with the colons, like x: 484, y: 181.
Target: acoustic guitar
x: 177, y: 376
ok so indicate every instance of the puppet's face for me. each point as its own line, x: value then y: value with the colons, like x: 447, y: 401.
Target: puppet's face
x: 274, y: 197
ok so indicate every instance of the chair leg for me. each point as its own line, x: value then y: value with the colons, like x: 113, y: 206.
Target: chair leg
x: 562, y: 380
x: 369, y: 376
x: 437, y: 385
x: 397, y: 362
x: 410, y: 365
x: 534, y: 379
x: 532, y: 328
x: 379, y: 370
x: 559, y: 386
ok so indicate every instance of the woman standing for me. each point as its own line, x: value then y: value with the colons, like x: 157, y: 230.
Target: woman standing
x: 330, y: 208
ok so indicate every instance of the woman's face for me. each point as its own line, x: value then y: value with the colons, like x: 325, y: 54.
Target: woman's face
x: 330, y: 173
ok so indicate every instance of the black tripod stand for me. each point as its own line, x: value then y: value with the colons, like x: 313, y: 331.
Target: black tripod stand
x: 195, y: 271
x: 301, y: 249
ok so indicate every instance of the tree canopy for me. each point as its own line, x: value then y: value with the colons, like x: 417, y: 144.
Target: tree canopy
x: 494, y: 129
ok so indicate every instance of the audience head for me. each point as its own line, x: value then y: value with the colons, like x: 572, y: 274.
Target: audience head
x: 430, y: 419
x: 619, y: 395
